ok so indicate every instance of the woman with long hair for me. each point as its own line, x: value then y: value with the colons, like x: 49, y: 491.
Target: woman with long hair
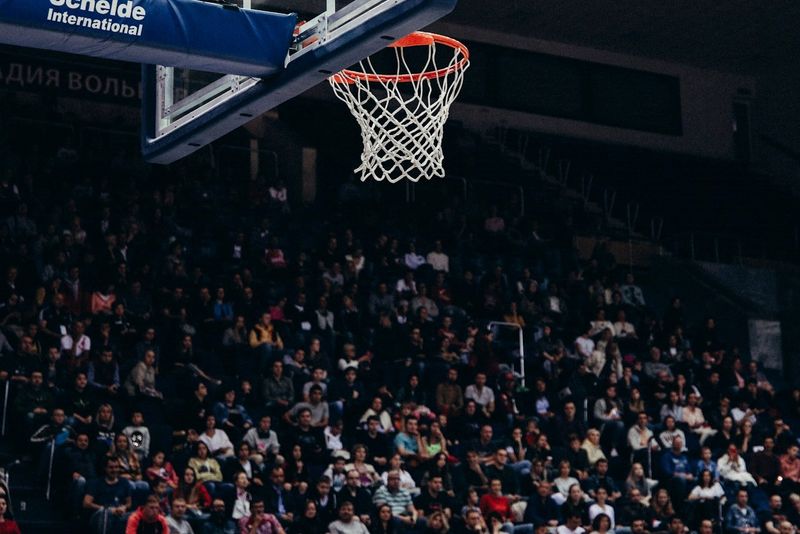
x: 563, y: 482
x: 438, y: 467
x: 437, y: 524
x: 384, y: 522
x: 205, y: 466
x: 309, y: 520
x: 637, y: 479
x: 296, y: 471
x: 435, y: 442
x: 7, y: 523
x: 576, y: 504
x: 704, y: 498
x: 366, y: 472
x: 161, y: 469
x: 197, y: 498
x: 129, y: 466
x: 602, y: 525
x: 662, y: 508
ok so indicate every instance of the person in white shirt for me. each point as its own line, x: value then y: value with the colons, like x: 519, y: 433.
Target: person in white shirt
x: 241, y: 505
x: 600, y: 323
x: 622, y: 328
x: 584, y: 344
x: 733, y: 469
x: 412, y: 260
x: 481, y: 394
x: 438, y: 259
x: 75, y: 344
x: 601, y: 506
x: 218, y: 442
x: 263, y: 441
x: 572, y: 525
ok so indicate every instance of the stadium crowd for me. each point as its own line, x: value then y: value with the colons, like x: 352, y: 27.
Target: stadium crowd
x: 200, y: 355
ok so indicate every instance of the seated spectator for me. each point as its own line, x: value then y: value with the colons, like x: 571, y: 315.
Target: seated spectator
x: 662, y: 509
x: 315, y: 404
x: 732, y: 468
x: 130, y: 468
x: 366, y: 472
x: 348, y: 522
x: 232, y: 417
x: 496, y: 503
x: 218, y: 442
x: 601, y: 507
x: 142, y: 379
x: 259, y: 522
x: 449, y: 396
x: 740, y: 518
x: 591, y: 445
x: 675, y: 465
x: 705, y: 496
x: 192, y: 490
x: 576, y: 505
x: 7, y: 524
x: 205, y: 466
x: 138, y: 435
x: 263, y: 441
x: 572, y: 524
x: 398, y: 498
x: 148, y: 518
x: 601, y: 479
x: 161, y: 469
x: 177, y: 518
x: 108, y: 499
x: 481, y: 394
x: 790, y: 469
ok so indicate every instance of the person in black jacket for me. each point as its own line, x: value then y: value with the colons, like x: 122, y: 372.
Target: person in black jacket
x: 309, y: 521
x: 542, y: 509
x: 354, y: 493
x: 81, y: 465
x: 278, y: 501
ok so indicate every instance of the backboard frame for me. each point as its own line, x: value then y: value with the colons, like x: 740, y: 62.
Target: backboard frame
x: 328, y: 43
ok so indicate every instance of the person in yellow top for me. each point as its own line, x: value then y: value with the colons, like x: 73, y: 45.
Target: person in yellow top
x: 265, y: 339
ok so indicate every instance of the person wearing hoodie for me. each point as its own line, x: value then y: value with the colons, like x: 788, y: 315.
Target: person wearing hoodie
x: 148, y: 519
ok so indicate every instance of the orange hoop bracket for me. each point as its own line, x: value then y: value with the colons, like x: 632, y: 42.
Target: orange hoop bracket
x: 414, y: 39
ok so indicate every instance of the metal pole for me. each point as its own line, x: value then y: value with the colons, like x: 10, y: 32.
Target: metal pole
x: 5, y: 408
x: 522, y: 357
x: 649, y: 459
x: 50, y: 468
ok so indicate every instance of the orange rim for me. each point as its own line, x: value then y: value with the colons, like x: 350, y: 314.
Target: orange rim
x: 414, y: 39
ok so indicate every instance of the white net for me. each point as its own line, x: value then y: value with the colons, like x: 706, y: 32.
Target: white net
x: 402, y: 115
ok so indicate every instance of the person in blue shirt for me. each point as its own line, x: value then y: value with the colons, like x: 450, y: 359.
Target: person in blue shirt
x: 675, y: 466
x: 740, y: 518
x: 706, y: 463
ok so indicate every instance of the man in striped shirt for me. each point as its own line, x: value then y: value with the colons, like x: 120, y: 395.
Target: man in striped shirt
x: 398, y: 499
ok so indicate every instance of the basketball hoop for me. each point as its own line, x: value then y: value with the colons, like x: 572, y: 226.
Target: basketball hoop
x: 402, y: 115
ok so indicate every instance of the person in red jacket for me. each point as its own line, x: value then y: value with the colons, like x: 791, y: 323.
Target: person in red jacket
x: 496, y: 502
x: 7, y: 525
x: 148, y: 519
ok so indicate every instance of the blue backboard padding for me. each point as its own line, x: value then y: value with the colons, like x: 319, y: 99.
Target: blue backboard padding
x: 179, y: 33
x: 300, y: 75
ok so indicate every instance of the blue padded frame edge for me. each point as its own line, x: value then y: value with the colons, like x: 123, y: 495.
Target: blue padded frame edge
x: 299, y: 76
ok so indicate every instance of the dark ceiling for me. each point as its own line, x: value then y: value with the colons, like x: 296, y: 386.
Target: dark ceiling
x: 741, y: 36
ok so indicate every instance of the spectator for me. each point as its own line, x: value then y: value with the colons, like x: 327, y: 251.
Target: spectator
x: 348, y: 522
x: 177, y: 518
x: 398, y: 499
x: 7, y: 523
x: 148, y: 518
x: 740, y: 518
x: 108, y: 499
x: 259, y: 522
